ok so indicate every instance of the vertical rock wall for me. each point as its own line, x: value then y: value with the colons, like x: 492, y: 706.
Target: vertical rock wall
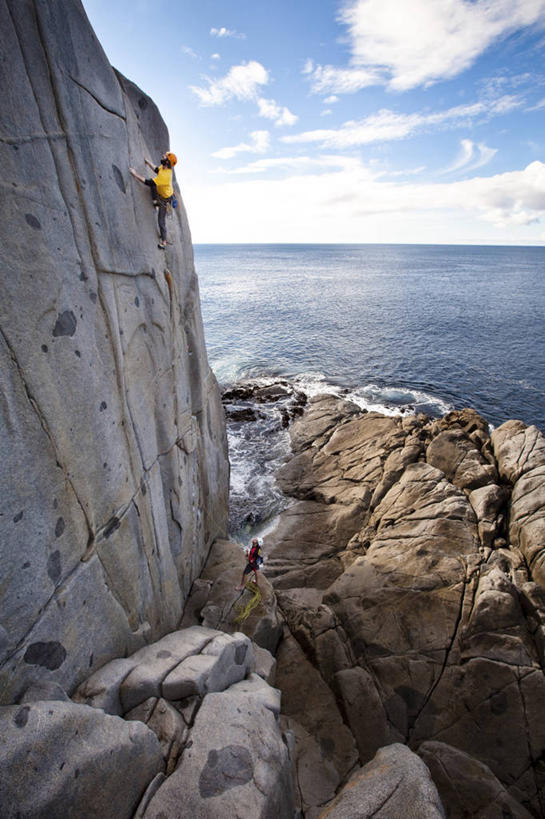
x: 112, y: 439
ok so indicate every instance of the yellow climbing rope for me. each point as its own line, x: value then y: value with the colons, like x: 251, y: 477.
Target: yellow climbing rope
x: 244, y: 611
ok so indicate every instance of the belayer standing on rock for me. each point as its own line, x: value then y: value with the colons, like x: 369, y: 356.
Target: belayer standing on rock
x: 254, y: 561
x: 162, y: 191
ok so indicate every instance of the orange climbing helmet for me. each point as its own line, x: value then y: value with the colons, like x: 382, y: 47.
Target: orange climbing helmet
x: 171, y: 158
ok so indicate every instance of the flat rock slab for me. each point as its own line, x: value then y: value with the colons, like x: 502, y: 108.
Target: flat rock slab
x: 60, y: 759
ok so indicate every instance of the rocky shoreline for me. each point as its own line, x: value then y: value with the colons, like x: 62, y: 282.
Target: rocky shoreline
x: 394, y: 664
x: 408, y: 585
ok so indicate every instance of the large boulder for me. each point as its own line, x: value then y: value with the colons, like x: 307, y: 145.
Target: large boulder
x: 60, y: 759
x: 112, y: 434
x: 467, y: 786
x: 236, y: 763
x: 520, y: 451
x: 395, y: 783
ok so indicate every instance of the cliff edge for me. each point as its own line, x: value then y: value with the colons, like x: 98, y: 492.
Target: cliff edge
x: 112, y: 441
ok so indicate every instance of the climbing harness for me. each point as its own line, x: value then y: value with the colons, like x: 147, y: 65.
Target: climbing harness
x: 244, y: 611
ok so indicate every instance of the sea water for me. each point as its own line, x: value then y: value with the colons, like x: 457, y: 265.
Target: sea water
x: 397, y: 328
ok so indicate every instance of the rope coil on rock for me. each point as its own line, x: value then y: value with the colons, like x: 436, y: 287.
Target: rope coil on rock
x: 244, y: 611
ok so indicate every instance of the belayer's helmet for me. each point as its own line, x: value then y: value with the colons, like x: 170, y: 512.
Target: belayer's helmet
x: 171, y: 158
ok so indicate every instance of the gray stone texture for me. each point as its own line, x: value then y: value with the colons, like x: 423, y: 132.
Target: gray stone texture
x: 467, y: 786
x: 237, y: 763
x: 112, y: 436
x: 395, y: 784
x: 60, y: 759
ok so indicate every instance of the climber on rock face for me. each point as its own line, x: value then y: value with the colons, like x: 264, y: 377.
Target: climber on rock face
x: 162, y: 192
x: 254, y: 561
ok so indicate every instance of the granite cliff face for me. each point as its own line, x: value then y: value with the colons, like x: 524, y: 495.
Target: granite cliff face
x: 112, y: 439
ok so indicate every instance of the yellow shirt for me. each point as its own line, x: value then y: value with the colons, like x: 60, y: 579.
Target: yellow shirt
x: 163, y: 180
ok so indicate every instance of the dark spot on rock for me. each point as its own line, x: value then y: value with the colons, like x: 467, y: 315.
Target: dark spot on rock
x: 105, y: 464
x: 62, y: 766
x: 225, y: 769
x: 142, y: 103
x: 240, y: 654
x: 45, y: 348
x: 65, y: 325
x: 77, y: 353
x: 328, y: 747
x: 161, y: 655
x: 59, y: 527
x: 91, y: 658
x: 113, y: 524
x: 103, y: 406
x: 18, y: 517
x: 143, y: 487
x: 119, y: 181
x: 32, y: 221
x: 76, y: 773
x: 49, y: 655
x: 26, y: 565
x: 93, y: 297
x: 55, y: 503
x: 83, y: 277
x: 21, y: 717
x: 498, y: 703
x: 137, y: 301
x: 54, y: 566
x: 15, y: 147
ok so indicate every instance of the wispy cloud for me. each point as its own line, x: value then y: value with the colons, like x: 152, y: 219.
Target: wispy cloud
x: 242, y: 82
x: 325, y: 78
x: 471, y: 156
x: 278, y: 113
x: 300, y: 164
x: 189, y: 51
x: 347, y: 202
x: 387, y: 125
x: 409, y: 44
x: 538, y: 106
x: 260, y: 142
x: 226, y: 32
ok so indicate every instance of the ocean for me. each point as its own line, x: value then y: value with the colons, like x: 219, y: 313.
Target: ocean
x: 397, y: 328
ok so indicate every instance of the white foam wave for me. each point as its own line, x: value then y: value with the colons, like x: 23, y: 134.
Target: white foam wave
x: 390, y: 400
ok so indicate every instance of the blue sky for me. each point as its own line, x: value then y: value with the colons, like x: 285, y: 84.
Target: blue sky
x: 357, y: 121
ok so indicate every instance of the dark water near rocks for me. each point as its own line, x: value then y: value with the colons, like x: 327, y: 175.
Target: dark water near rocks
x: 400, y: 327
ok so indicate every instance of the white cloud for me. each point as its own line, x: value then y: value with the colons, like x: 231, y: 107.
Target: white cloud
x: 331, y: 100
x: 326, y: 112
x: 226, y: 32
x: 189, y: 51
x: 350, y: 203
x: 215, y: 56
x: 538, y: 106
x: 471, y: 156
x: 323, y: 162
x: 342, y: 80
x: 408, y: 44
x: 387, y: 125
x: 242, y: 82
x: 279, y: 114
x: 261, y: 141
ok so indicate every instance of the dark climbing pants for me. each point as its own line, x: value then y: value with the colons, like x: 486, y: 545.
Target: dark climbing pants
x: 161, y: 209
